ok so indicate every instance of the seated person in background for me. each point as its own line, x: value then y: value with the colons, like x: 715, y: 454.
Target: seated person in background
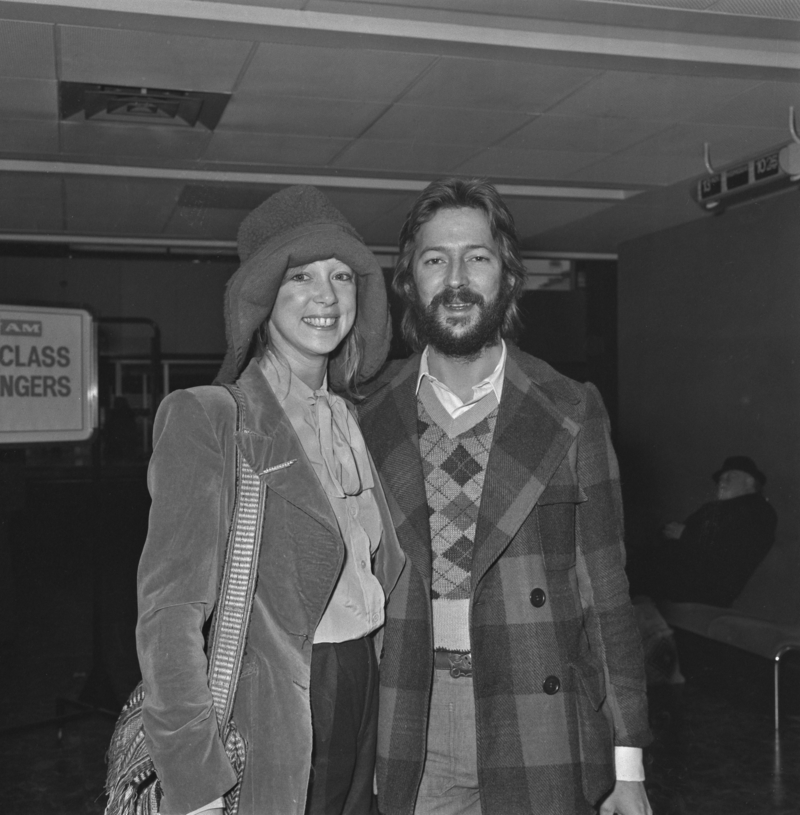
x: 709, y: 558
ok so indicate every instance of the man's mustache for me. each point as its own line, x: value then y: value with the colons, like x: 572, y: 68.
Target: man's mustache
x: 452, y: 297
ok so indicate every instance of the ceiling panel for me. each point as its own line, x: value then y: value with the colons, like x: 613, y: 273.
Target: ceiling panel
x: 154, y: 60
x: 331, y: 73
x: 779, y: 9
x: 671, y: 97
x: 445, y: 125
x: 640, y: 170
x: 545, y: 165
x: 31, y: 203
x: 584, y: 134
x: 766, y: 105
x: 28, y: 136
x: 727, y: 143
x: 97, y: 140
x: 650, y: 211
x: 373, y: 208
x: 28, y: 99
x: 269, y: 149
x: 119, y: 206
x: 255, y: 112
x: 314, y: 101
x: 534, y: 217
x: 407, y: 157
x: 27, y: 50
x: 521, y: 87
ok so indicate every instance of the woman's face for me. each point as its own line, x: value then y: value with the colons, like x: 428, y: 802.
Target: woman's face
x: 314, y: 310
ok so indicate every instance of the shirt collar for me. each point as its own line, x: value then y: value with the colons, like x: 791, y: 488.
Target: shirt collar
x: 494, y: 381
x: 284, y: 383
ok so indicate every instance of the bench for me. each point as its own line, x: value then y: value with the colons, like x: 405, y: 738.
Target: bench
x: 764, y: 619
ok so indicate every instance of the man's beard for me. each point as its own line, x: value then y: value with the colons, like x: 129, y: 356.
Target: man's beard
x: 485, y: 331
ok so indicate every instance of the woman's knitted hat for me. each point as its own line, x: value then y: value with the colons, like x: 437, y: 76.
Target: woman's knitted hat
x: 294, y: 227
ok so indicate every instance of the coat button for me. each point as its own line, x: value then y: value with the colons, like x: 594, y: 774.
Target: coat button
x: 551, y: 685
x: 538, y: 598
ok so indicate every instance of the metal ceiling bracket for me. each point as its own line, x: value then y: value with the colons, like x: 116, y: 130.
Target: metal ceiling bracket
x: 707, y: 158
x: 793, y: 125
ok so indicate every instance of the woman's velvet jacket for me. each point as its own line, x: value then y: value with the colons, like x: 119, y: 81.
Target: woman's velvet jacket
x: 191, y: 480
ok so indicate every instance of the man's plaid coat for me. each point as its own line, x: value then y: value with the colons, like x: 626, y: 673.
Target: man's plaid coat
x: 558, y: 674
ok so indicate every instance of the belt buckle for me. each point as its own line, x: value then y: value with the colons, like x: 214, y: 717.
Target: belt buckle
x: 460, y: 664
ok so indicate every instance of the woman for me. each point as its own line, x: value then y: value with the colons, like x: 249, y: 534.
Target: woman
x: 308, y: 292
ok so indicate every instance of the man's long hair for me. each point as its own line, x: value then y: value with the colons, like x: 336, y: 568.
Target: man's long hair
x: 459, y: 193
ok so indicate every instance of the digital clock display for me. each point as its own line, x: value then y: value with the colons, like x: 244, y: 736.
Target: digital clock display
x: 710, y: 186
x: 737, y: 177
x: 766, y: 166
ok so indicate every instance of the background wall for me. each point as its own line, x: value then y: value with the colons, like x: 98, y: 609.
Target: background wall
x: 709, y: 336
x: 183, y: 296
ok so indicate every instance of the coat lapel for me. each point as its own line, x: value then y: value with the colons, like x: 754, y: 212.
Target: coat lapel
x: 391, y: 429
x: 270, y: 446
x: 532, y: 437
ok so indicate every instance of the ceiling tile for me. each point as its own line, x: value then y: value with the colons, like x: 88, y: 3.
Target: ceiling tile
x: 534, y: 216
x: 119, y: 206
x: 363, y: 208
x: 148, y: 59
x: 550, y: 165
x: 268, y: 149
x: 626, y: 169
x: 30, y: 203
x: 727, y: 143
x: 409, y: 157
x: 583, y: 134
x: 766, y: 105
x: 28, y: 99
x: 778, y: 9
x: 27, y: 50
x: 331, y: 73
x: 445, y: 125
x: 521, y: 87
x: 672, y: 97
x: 28, y: 136
x: 121, y: 140
x: 255, y: 112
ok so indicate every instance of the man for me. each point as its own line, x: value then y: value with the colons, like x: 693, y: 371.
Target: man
x: 709, y: 558
x: 511, y: 672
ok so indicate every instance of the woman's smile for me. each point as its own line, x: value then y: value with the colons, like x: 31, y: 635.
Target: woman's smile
x: 321, y: 322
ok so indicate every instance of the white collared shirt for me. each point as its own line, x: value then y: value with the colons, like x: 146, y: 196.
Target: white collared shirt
x: 450, y: 401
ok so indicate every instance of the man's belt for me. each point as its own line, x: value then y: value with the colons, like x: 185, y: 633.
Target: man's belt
x: 456, y: 662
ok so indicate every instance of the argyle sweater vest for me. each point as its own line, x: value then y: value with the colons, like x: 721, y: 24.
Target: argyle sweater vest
x: 454, y: 456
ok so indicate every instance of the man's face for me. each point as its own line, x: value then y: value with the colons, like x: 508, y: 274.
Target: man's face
x: 458, y: 274
x: 734, y: 483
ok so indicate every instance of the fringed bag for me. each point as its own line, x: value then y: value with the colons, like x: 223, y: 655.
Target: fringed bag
x: 132, y: 785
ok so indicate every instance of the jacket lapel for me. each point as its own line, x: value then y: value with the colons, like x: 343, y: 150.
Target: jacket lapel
x: 532, y: 437
x: 394, y: 442
x: 270, y: 446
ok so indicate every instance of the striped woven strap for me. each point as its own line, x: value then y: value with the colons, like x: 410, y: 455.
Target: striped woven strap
x: 235, y: 601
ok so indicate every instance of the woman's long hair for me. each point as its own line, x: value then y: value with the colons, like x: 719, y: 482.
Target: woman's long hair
x: 459, y: 193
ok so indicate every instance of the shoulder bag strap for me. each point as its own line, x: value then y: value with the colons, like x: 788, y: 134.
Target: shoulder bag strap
x: 235, y: 600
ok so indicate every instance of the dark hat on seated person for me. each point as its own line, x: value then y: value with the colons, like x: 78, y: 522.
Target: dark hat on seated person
x: 743, y: 463
x: 294, y: 227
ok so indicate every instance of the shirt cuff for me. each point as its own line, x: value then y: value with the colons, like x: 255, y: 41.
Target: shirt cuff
x: 629, y: 765
x: 220, y: 802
